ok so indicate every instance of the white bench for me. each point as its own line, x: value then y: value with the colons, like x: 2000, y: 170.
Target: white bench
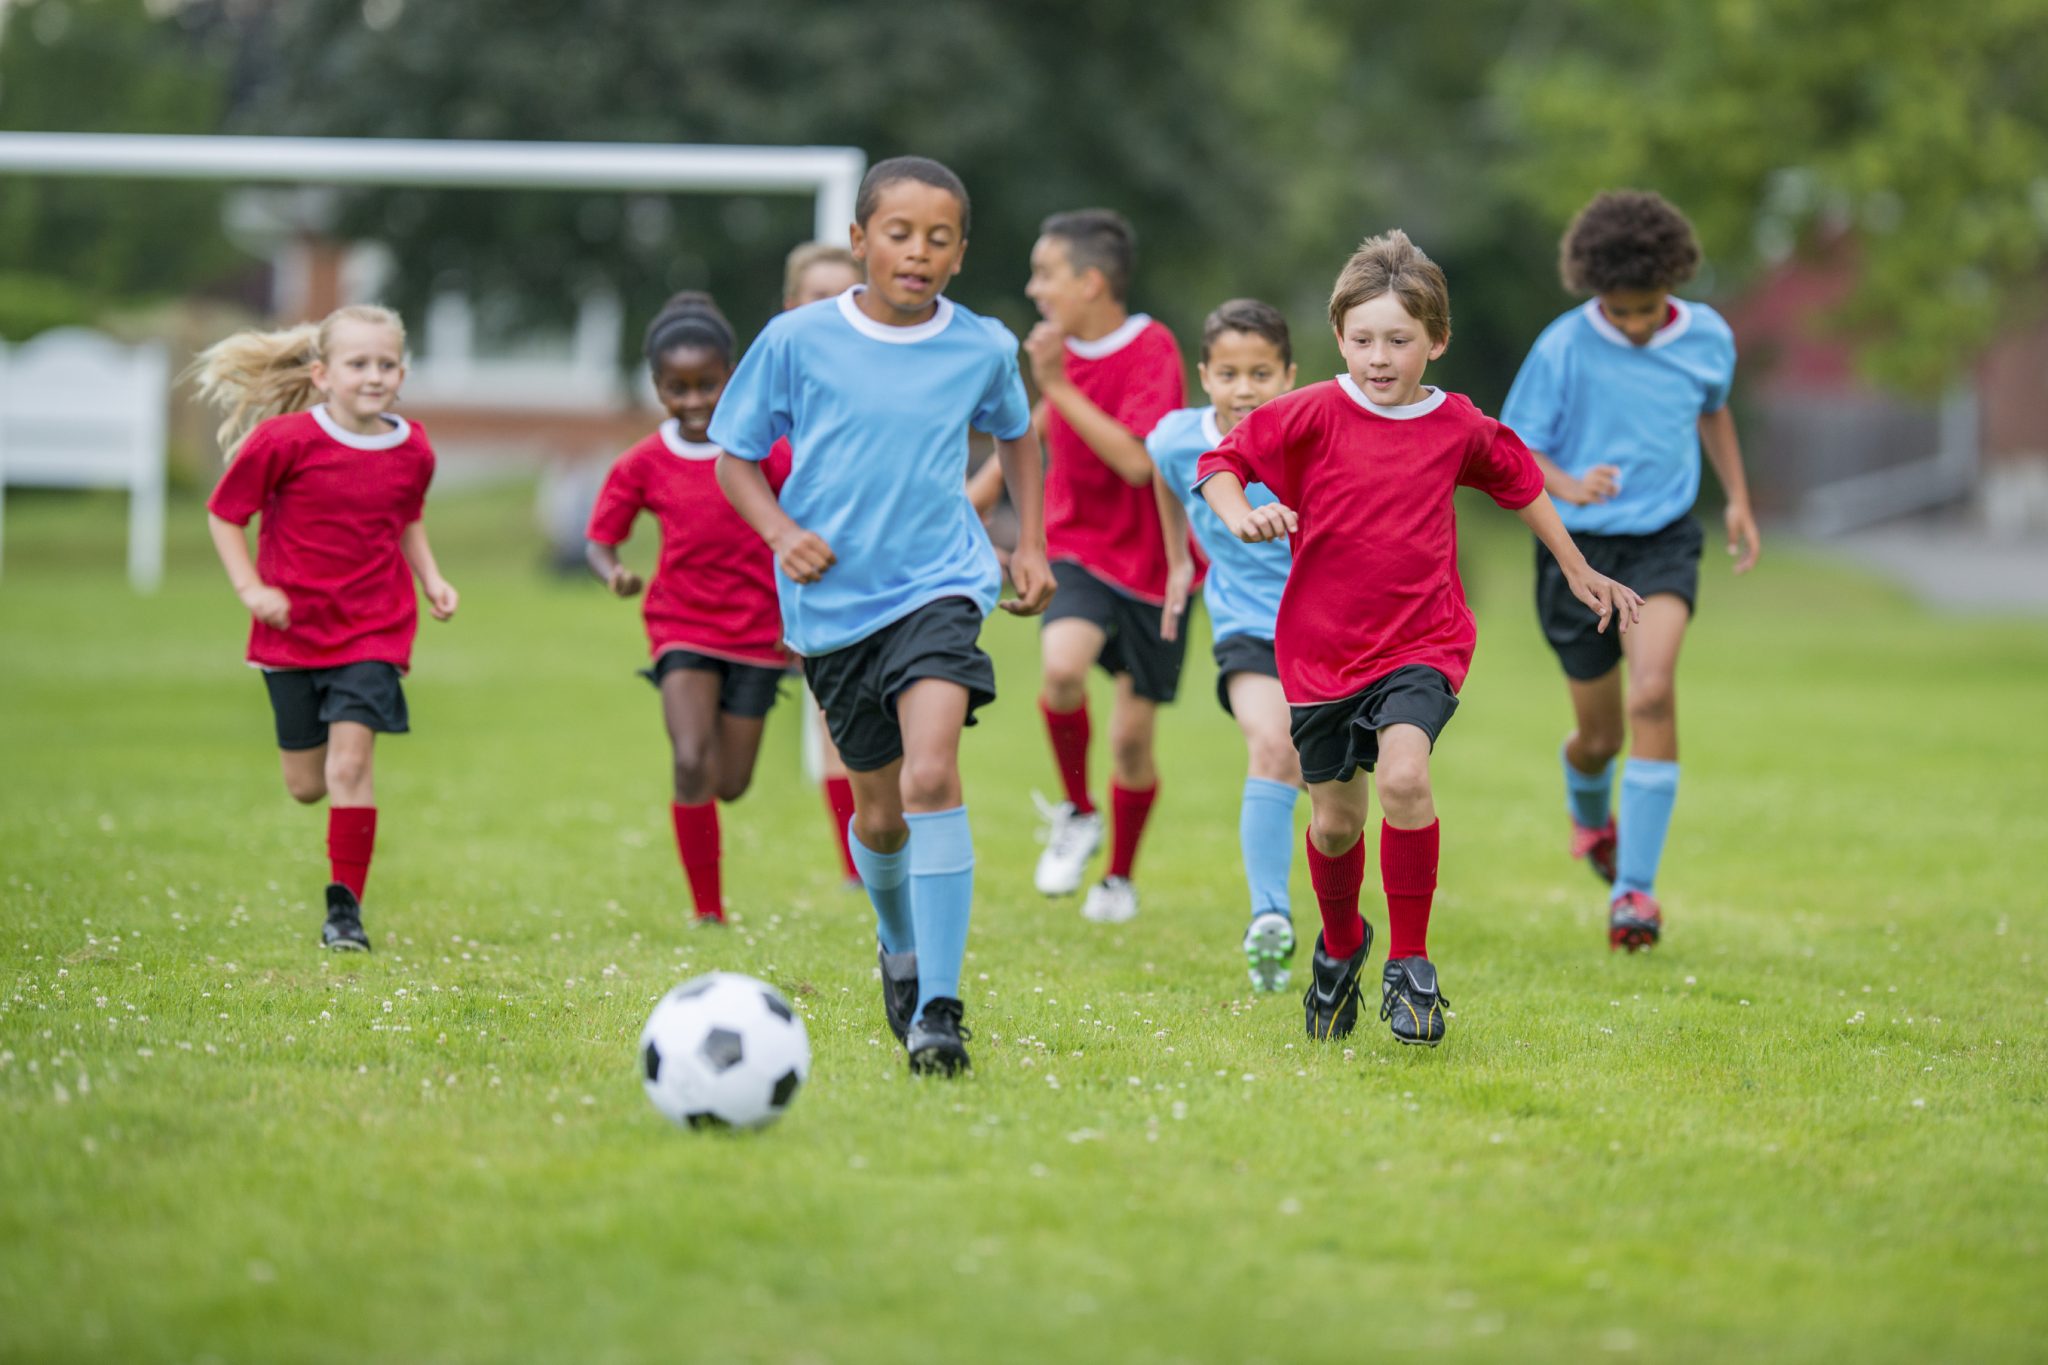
x: 80, y: 410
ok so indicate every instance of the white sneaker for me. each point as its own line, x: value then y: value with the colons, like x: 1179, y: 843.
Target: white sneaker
x: 1268, y: 950
x: 1113, y: 900
x: 1070, y: 840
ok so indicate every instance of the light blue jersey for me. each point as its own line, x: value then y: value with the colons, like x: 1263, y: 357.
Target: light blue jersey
x: 877, y: 417
x: 1586, y: 396
x: 1245, y: 581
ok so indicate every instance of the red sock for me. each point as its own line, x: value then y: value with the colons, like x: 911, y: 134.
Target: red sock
x: 1069, y: 731
x: 1128, y: 811
x: 839, y: 796
x: 1336, y: 882
x: 1408, y: 873
x: 351, y: 836
x: 697, y: 842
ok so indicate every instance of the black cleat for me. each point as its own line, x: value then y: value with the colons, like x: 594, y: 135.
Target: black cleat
x: 936, y: 1039
x: 1331, y: 1001
x: 344, y: 928
x: 899, y: 989
x: 1411, y: 1003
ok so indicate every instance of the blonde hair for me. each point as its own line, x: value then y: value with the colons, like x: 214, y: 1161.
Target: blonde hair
x: 1391, y: 264
x: 809, y: 254
x: 255, y: 375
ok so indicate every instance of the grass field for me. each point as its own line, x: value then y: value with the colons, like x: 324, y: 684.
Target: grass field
x: 1812, y: 1127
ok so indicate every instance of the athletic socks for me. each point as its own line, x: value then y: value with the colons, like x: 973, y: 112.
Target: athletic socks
x: 941, y: 897
x: 351, y: 837
x: 886, y: 876
x: 697, y: 845
x: 1128, y: 811
x: 1588, y: 795
x: 1649, y: 788
x: 1069, y: 732
x: 1408, y: 875
x: 1265, y: 835
x: 1336, y: 882
x: 839, y: 797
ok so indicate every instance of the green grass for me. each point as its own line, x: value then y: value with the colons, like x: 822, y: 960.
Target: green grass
x: 1812, y: 1127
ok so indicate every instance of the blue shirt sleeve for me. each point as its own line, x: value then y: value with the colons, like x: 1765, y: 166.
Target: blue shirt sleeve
x: 1004, y: 411
x: 1716, y: 395
x: 1535, y: 404
x: 1174, y: 458
x: 755, y: 410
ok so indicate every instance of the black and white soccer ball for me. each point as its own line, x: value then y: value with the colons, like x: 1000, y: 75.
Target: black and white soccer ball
x: 723, y: 1051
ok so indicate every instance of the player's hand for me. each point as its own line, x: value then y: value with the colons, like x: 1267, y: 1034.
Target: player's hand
x: 1598, y: 484
x: 268, y: 605
x: 442, y: 599
x: 1613, y: 603
x: 1273, y: 521
x: 1180, y: 582
x: 804, y: 555
x: 1032, y: 578
x: 1745, y: 542
x: 623, y: 582
x: 1046, y: 348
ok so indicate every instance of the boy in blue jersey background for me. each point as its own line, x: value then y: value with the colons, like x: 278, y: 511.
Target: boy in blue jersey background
x: 1617, y: 398
x: 1247, y: 359
x: 884, y: 571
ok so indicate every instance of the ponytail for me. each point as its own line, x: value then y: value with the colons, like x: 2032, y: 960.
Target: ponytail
x: 255, y: 375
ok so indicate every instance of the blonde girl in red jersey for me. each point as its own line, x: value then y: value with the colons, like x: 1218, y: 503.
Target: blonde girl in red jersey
x: 339, y: 482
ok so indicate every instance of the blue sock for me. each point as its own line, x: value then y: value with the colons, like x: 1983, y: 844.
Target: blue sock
x: 886, y: 878
x: 1265, y: 832
x: 1588, y: 795
x: 941, y: 896
x: 1649, y: 787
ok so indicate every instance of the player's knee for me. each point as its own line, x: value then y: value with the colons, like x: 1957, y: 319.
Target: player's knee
x: 733, y: 786
x: 1333, y: 832
x: 695, y: 779
x: 880, y: 831
x: 345, y: 772
x: 1131, y: 751
x: 305, y: 788
x: 1651, y: 700
x: 1403, y: 784
x: 1273, y: 758
x: 1599, y: 745
x: 1065, y: 691
x: 929, y: 783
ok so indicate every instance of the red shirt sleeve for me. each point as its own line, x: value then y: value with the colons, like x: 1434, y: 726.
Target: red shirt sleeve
x: 780, y: 456
x: 249, y: 479
x: 1501, y: 467
x: 1253, y: 452
x: 1158, y: 388
x: 618, y: 502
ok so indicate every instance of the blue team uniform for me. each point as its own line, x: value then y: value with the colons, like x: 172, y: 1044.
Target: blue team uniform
x: 1245, y: 581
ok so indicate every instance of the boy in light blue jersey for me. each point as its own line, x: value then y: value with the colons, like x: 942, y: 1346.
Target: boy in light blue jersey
x: 1617, y: 399
x: 1247, y: 359
x: 885, y: 572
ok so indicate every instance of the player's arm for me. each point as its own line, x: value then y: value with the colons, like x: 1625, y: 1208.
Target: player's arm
x: 1180, y: 561
x: 1601, y: 482
x: 985, y: 487
x: 604, y: 561
x: 1110, y: 439
x: 1224, y: 493
x: 1724, y: 453
x: 442, y: 599
x: 1023, y: 471
x: 803, y: 555
x: 1609, y: 600
x: 265, y: 603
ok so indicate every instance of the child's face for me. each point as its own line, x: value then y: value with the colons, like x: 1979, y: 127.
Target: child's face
x: 1638, y: 313
x: 1243, y: 370
x: 1062, y: 294
x: 822, y: 280
x: 362, y: 370
x: 1386, y: 350
x: 912, y: 246
x: 688, y: 380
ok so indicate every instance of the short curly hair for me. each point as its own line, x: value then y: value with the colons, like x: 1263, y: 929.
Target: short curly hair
x: 1627, y: 239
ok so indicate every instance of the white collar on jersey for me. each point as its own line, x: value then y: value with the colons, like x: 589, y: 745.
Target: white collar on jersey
x: 1663, y: 336
x: 1109, y: 343
x: 1212, y: 434
x: 1406, y: 412
x: 672, y: 437
x: 400, y: 429
x: 899, y: 336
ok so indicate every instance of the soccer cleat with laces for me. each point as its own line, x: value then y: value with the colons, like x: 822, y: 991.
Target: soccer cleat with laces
x: 1113, y: 900
x: 1411, y: 1003
x: 1597, y: 847
x: 1331, y: 1001
x: 1269, y: 949
x: 937, y: 1040
x: 899, y: 989
x: 1634, y: 920
x: 344, y: 928
x: 1070, y: 840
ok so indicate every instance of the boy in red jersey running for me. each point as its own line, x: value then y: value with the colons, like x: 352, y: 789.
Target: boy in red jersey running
x: 1374, y: 637
x: 1106, y: 376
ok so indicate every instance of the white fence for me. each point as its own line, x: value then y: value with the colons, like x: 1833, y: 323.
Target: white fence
x: 80, y: 410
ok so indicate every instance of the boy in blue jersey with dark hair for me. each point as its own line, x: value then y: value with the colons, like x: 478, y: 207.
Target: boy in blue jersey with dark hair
x: 1247, y: 359
x: 885, y: 572
x: 1617, y: 399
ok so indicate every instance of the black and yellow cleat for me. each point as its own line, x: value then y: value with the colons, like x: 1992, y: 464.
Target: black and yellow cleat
x: 1411, y: 1003
x: 1331, y: 1001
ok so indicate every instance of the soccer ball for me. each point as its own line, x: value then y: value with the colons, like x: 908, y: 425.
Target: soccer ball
x: 723, y: 1051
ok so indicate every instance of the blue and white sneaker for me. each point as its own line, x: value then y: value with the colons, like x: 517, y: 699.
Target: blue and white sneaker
x: 1269, y: 950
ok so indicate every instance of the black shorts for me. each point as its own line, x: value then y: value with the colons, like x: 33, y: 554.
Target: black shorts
x: 308, y: 700
x: 1241, y: 654
x: 1135, y: 645
x: 857, y: 686
x: 1666, y: 561
x: 1337, y: 738
x: 743, y: 689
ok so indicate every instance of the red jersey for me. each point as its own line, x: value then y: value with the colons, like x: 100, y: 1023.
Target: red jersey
x: 1092, y: 516
x: 1375, y: 580
x: 334, y: 505
x: 714, y: 592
